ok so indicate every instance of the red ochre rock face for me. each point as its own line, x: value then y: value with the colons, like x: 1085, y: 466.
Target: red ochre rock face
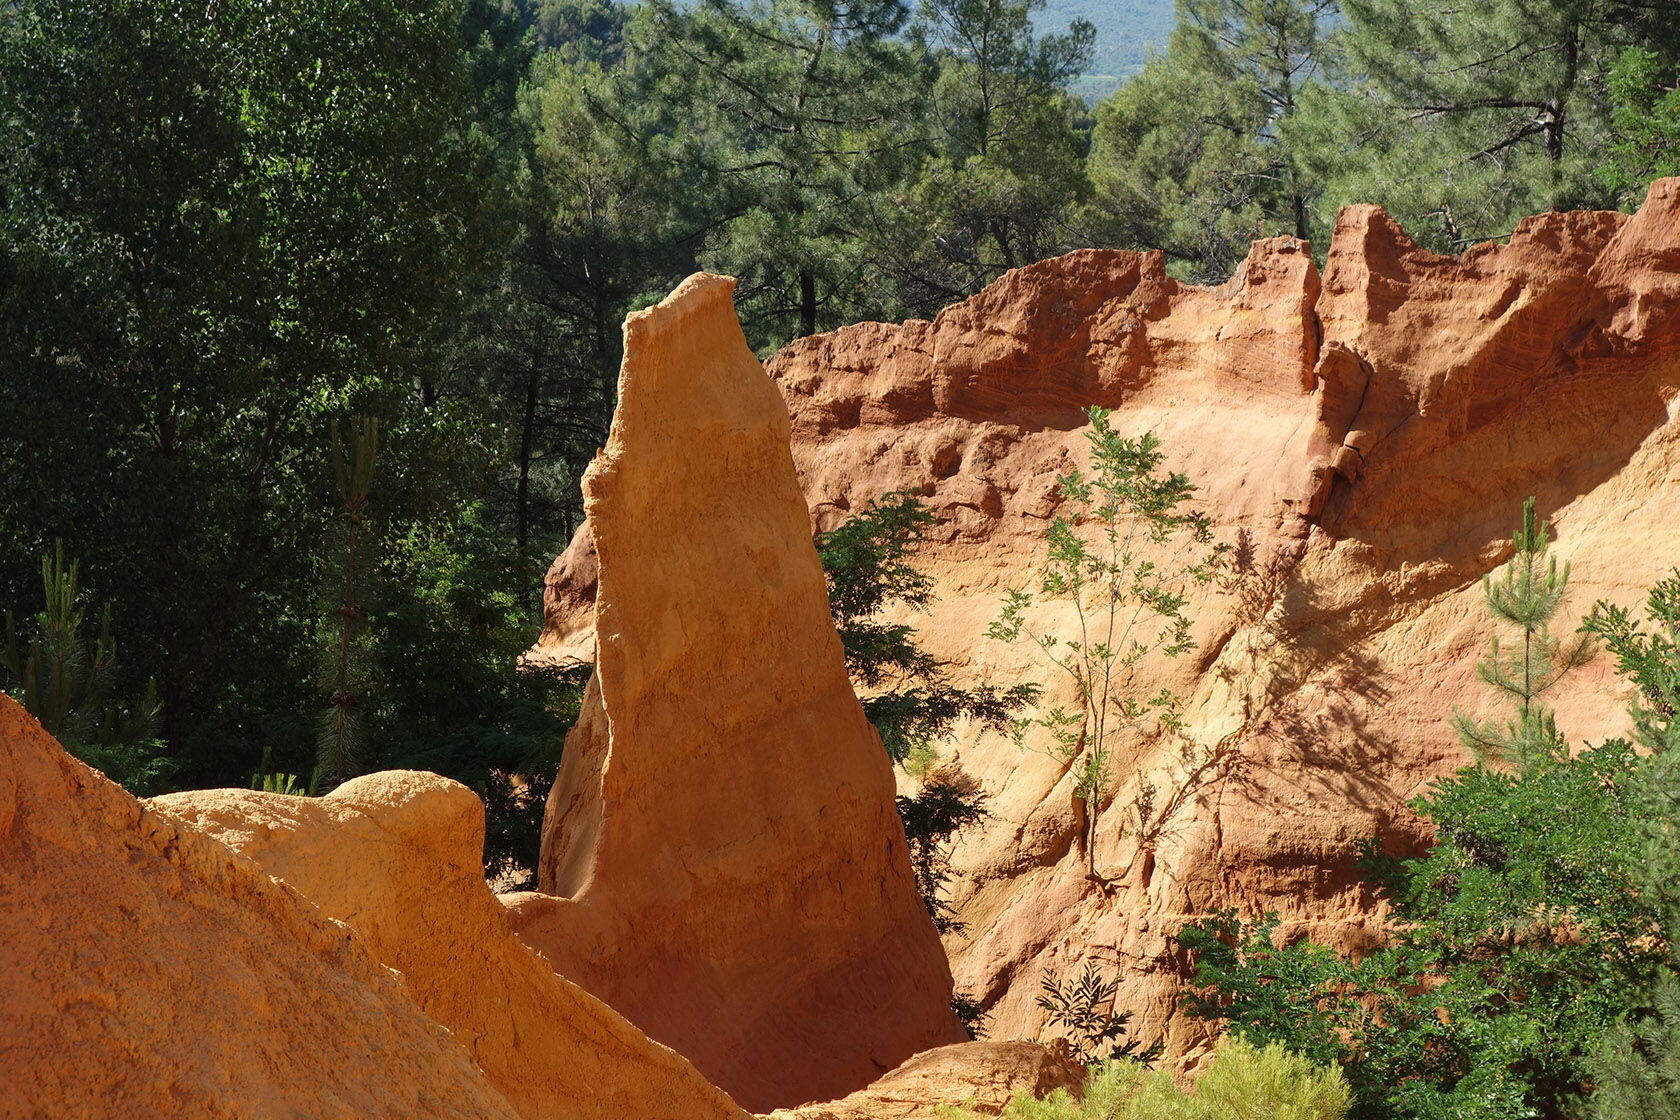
x: 722, y: 858
x: 722, y: 861
x: 1362, y: 436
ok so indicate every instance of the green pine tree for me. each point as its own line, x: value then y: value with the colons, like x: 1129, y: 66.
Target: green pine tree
x: 794, y: 120
x: 1639, y: 1062
x: 1541, y: 917
x: 71, y: 682
x: 1193, y: 154
x: 1644, y: 123
x: 1004, y: 165
x: 1461, y: 119
x: 1526, y: 598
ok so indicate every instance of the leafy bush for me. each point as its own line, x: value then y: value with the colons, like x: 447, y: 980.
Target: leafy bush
x: 1644, y: 123
x: 448, y: 633
x: 906, y: 692
x: 1515, y: 943
x: 1242, y: 1082
x: 1084, y: 1007
x: 948, y: 802
x: 1638, y: 1070
x: 1125, y: 607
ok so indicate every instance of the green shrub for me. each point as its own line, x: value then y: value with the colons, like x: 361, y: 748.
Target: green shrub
x: 1248, y: 1083
x: 1124, y: 606
x: 65, y: 672
x: 1242, y: 1082
x: 448, y: 628
x: 1083, y: 1007
x: 1524, y: 934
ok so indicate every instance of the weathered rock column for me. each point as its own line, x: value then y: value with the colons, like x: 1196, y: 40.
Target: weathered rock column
x: 732, y: 873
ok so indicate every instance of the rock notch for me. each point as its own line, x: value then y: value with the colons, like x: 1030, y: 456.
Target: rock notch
x: 722, y: 843
x: 397, y: 857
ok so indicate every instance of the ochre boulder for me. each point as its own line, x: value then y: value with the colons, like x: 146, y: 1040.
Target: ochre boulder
x: 396, y: 856
x: 722, y: 859
x: 146, y: 970
x: 981, y: 1077
x: 1365, y: 439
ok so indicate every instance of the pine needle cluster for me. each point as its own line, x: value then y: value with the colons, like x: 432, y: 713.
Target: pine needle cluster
x: 71, y: 681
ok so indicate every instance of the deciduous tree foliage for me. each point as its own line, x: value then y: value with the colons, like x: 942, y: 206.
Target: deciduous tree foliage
x: 907, y: 693
x: 220, y: 227
x: 1125, y: 606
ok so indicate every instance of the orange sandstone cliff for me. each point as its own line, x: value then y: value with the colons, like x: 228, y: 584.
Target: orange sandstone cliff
x: 722, y: 860
x: 146, y: 970
x: 1362, y: 436
x: 185, y: 957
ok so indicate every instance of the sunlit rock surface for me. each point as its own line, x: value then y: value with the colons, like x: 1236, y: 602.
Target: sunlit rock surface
x: 722, y: 859
x: 397, y: 856
x: 146, y: 970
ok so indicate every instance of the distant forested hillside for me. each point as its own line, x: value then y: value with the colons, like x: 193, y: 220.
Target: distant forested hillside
x: 1126, y: 30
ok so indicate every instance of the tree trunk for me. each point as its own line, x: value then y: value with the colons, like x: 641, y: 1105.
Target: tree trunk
x: 527, y: 446
x: 1002, y: 240
x: 1558, y: 110
x: 807, y: 301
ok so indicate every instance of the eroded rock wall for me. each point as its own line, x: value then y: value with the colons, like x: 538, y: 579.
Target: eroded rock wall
x: 722, y: 860
x: 1364, y: 438
x: 980, y: 1077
